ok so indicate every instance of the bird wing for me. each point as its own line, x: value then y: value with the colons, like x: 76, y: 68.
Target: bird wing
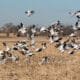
x: 26, y: 12
x: 78, y: 11
x: 32, y: 11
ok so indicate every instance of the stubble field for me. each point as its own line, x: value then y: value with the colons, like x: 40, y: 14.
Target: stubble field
x: 60, y: 66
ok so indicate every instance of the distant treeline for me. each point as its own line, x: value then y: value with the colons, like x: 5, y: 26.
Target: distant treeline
x: 11, y: 28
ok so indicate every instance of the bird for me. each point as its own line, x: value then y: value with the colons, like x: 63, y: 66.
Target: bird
x: 77, y: 25
x: 51, y: 39
x: 33, y: 29
x: 43, y: 29
x: 29, y: 12
x: 71, y: 52
x: 22, y: 30
x: 6, y: 48
x: 72, y: 35
x: 44, y: 60
x: 12, y: 57
x: 56, y: 23
x: 1, y: 55
x: 77, y: 14
x: 4, y: 43
x: 38, y: 49
x: 56, y: 39
x: 33, y: 43
x: 44, y: 45
x: 62, y: 46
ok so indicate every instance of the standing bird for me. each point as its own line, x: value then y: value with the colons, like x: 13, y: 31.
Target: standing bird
x: 44, y: 60
x: 29, y: 12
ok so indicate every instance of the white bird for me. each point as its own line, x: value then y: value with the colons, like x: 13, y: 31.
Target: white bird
x: 12, y: 57
x: 44, y: 45
x: 56, y: 23
x: 41, y: 48
x: 32, y: 36
x: 6, y: 48
x: 38, y: 49
x: 71, y: 52
x: 62, y: 46
x: 75, y: 45
x: 51, y: 39
x: 56, y: 38
x: 77, y: 25
x: 77, y: 14
x: 33, y: 43
x: 72, y: 35
x: 44, y: 60
x: 52, y: 31
x: 74, y: 28
x: 22, y: 30
x: 43, y: 29
x: 29, y: 12
x: 1, y: 55
x: 33, y: 30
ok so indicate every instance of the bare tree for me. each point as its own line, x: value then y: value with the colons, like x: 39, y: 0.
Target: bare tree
x: 9, y: 28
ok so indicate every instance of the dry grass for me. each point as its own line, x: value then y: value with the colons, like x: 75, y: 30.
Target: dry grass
x: 60, y: 67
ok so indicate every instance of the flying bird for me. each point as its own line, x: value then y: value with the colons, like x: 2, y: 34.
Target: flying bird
x: 77, y: 14
x: 29, y: 12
